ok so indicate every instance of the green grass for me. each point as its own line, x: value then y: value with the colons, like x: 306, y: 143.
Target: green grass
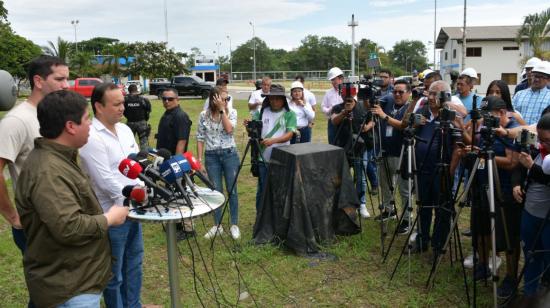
x: 272, y: 275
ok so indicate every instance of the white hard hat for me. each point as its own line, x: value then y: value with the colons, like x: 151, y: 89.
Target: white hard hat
x: 532, y: 62
x: 295, y: 85
x: 334, y: 72
x: 470, y: 72
x: 542, y: 67
x: 426, y: 73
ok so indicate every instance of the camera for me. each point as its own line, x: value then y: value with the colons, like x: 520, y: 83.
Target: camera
x: 443, y: 97
x: 417, y: 119
x: 369, y: 89
x: 447, y: 115
x: 526, y: 140
x: 254, y: 129
x: 417, y: 93
x: 491, y: 122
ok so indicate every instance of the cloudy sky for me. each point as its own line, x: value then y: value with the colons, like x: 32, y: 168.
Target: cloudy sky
x: 280, y: 23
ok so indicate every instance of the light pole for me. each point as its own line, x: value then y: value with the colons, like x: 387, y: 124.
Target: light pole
x: 353, y: 24
x: 166, y: 22
x: 230, y: 60
x: 218, y: 44
x: 254, y: 55
x: 75, y: 23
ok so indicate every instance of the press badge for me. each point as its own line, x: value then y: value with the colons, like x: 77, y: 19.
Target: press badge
x: 389, y: 130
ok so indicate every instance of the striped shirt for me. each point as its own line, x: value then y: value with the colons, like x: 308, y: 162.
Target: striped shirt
x: 530, y: 104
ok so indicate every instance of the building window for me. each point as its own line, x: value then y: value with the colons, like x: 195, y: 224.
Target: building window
x: 510, y: 78
x: 510, y: 48
x: 473, y: 52
x: 454, y: 53
x: 446, y: 54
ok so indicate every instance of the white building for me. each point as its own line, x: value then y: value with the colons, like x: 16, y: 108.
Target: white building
x: 492, y: 51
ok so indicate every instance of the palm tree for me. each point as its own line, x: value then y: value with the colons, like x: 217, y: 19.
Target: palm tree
x: 116, y: 52
x: 81, y: 64
x: 61, y: 50
x: 536, y: 28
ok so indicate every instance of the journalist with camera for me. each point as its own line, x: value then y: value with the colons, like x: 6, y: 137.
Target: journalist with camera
x: 390, y: 111
x: 436, y: 161
x: 352, y: 122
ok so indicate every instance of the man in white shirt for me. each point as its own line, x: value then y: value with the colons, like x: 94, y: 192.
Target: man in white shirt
x: 256, y: 99
x: 110, y: 142
x: 20, y: 127
x: 331, y: 99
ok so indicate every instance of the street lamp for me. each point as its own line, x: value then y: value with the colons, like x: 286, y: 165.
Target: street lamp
x: 75, y: 23
x: 254, y: 55
x: 230, y: 60
x: 218, y: 44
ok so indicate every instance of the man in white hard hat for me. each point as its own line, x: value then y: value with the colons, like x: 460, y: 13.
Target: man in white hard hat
x: 464, y: 89
x: 331, y: 99
x: 526, y: 82
x: 530, y: 102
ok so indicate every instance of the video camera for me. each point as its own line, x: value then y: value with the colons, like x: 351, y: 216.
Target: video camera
x: 254, y: 129
x: 369, y: 89
x: 527, y: 140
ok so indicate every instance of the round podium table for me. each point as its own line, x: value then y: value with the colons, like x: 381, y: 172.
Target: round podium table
x: 172, y: 213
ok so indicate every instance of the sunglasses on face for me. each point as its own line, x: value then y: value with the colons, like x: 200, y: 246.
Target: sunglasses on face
x: 168, y: 99
x: 400, y: 92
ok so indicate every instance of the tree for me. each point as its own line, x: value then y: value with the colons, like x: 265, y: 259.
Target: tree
x: 192, y: 56
x: 116, y: 52
x: 3, y: 15
x: 536, y: 28
x: 16, y: 52
x: 97, y: 45
x: 321, y: 54
x: 243, y: 56
x: 154, y: 59
x: 61, y: 50
x: 81, y: 64
x: 409, y: 55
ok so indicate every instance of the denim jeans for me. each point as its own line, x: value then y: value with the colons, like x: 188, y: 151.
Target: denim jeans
x: 357, y: 165
x: 262, y: 168
x: 82, y: 301
x: 305, y: 135
x: 124, y: 288
x: 224, y: 162
x: 530, y: 226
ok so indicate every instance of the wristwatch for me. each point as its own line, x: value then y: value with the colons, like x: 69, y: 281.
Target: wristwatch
x: 221, y: 111
x: 386, y: 118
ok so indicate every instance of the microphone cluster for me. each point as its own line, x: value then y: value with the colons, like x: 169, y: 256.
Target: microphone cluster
x: 166, y: 177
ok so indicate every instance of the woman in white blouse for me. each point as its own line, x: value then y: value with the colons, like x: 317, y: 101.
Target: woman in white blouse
x: 215, y: 138
x: 304, y: 113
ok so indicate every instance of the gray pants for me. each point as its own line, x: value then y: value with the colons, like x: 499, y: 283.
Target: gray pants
x: 391, y: 176
x: 142, y: 130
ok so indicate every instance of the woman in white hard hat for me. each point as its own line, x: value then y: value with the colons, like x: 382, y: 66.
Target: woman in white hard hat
x: 304, y: 113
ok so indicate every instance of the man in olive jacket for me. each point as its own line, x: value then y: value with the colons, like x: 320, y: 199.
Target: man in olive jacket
x: 68, y: 256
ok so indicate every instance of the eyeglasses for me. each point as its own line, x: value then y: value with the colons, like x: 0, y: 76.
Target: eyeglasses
x: 400, y: 92
x: 539, y: 76
x: 167, y: 98
x: 227, y: 99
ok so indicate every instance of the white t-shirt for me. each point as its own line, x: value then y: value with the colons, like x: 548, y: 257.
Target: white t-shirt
x: 256, y: 96
x: 229, y: 104
x: 304, y: 114
x: 101, y: 157
x: 18, y: 129
x: 331, y: 99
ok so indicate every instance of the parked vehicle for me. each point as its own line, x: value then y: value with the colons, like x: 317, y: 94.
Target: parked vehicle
x: 186, y: 85
x: 136, y: 82
x: 84, y: 86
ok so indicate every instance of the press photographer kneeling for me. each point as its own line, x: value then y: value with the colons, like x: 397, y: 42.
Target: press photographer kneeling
x: 353, y: 122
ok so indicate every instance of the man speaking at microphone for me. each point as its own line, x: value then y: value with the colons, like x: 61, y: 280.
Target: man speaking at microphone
x: 67, y: 262
x: 110, y: 142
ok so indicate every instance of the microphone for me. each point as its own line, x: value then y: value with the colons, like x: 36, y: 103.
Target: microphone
x: 8, y: 91
x: 126, y: 192
x: 131, y: 169
x: 149, y: 168
x: 171, y: 170
x: 196, y: 166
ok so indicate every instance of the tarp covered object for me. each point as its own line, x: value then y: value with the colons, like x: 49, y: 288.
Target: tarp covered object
x: 309, y: 197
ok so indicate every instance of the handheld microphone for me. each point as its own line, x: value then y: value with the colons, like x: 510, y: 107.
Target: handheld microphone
x: 148, y: 167
x: 196, y: 166
x: 131, y: 169
x: 172, y: 172
x: 126, y: 192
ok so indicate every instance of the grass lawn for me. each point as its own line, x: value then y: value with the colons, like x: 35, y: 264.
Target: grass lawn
x: 271, y: 275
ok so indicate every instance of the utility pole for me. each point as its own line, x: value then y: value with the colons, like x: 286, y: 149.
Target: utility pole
x: 75, y: 23
x: 254, y: 55
x: 464, y: 40
x: 165, y: 22
x: 435, y: 30
x: 230, y: 60
x: 353, y: 24
x: 218, y: 44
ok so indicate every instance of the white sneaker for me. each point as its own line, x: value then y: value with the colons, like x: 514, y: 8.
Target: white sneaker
x: 215, y: 229
x: 469, y: 261
x: 235, y: 232
x: 499, y: 261
x: 363, y: 211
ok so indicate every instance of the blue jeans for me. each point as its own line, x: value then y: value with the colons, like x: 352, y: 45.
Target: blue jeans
x: 357, y: 165
x: 82, y: 301
x: 124, y: 288
x: 369, y: 161
x: 224, y: 162
x: 305, y: 135
x: 530, y: 225
x: 20, y: 241
x: 262, y: 168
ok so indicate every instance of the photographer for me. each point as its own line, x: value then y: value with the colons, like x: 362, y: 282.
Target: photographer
x: 536, y: 199
x: 390, y: 111
x: 429, y: 157
x: 352, y: 121
x: 278, y: 127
